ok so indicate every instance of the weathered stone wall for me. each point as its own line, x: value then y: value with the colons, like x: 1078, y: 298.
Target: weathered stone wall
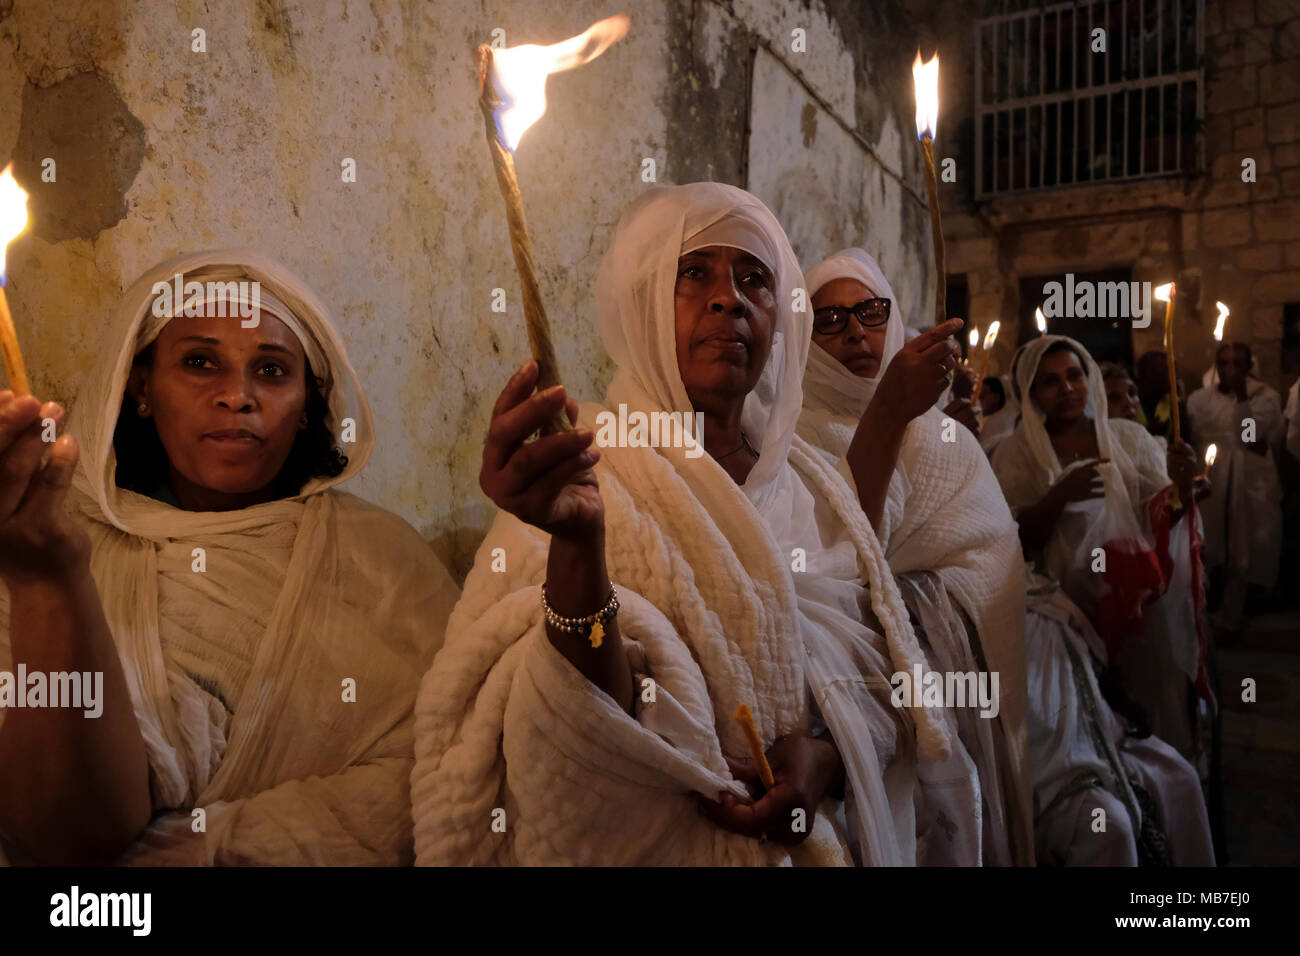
x: 1223, y: 238
x: 161, y: 149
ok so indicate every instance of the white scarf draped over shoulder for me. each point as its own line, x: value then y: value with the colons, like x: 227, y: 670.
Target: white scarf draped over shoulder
x: 508, y: 731
x: 298, y: 774
x: 1146, y: 586
x: 944, y: 513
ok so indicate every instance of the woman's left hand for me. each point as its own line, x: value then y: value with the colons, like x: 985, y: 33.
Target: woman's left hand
x: 806, y: 770
x: 1183, y: 467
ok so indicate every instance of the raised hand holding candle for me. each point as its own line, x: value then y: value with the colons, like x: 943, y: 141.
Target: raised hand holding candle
x: 512, y: 96
x: 925, y: 79
x: 13, y: 220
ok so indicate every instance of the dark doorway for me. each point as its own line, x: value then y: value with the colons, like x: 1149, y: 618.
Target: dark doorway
x: 1107, y: 340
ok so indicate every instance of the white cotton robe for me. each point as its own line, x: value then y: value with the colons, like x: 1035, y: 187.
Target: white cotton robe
x: 944, y: 517
x: 237, y: 673
x: 1084, y: 759
x: 713, y: 610
x: 1144, y: 604
x: 1243, y: 514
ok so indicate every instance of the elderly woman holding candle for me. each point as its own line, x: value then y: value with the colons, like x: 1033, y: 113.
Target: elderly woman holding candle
x: 261, y: 634
x: 1099, y: 511
x: 946, y: 531
x: 745, y: 575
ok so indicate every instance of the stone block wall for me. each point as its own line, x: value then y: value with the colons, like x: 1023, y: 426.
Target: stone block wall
x: 1223, y: 238
x: 161, y: 149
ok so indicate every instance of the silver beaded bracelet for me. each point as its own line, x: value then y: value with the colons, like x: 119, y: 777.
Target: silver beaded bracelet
x: 591, y: 625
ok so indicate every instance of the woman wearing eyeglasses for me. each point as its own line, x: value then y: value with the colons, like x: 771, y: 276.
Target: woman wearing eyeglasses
x: 933, y: 501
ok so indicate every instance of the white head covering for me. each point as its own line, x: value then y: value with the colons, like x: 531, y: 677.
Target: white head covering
x: 135, y: 326
x: 1034, y: 421
x: 335, y: 539
x: 826, y: 380
x: 635, y: 296
x: 638, y: 278
x: 1119, y: 513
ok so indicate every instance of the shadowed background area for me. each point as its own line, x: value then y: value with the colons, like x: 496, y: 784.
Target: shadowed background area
x: 160, y: 149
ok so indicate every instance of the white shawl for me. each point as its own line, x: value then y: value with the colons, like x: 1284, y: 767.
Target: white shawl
x: 944, y: 513
x: 299, y: 776
x: 508, y: 731
x: 1148, y: 586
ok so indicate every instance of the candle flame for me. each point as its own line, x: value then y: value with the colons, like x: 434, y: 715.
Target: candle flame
x: 519, y: 74
x: 1218, y: 328
x: 925, y: 78
x: 1210, y: 454
x: 973, y: 338
x: 991, y: 335
x: 13, y: 213
x: 1041, y: 321
x: 1164, y: 292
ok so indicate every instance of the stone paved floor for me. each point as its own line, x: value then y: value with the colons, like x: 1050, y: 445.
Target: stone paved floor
x: 1261, y: 742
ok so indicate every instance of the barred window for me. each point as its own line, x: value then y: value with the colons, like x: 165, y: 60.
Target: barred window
x: 1050, y: 112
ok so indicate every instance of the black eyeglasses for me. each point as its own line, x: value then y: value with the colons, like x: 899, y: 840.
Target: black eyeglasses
x: 832, y: 319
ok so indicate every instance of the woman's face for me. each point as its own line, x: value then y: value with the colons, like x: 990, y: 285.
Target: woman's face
x: 1122, y: 399
x: 227, y: 401
x: 725, y: 307
x: 1061, y: 386
x: 858, y: 349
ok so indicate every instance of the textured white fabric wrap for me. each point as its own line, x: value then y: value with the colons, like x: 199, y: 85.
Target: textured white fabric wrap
x: 298, y: 776
x: 945, y: 513
x: 705, y: 570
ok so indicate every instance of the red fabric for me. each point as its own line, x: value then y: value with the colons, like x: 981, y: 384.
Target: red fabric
x: 1136, y: 576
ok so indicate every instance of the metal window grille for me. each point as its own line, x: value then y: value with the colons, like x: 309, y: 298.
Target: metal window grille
x: 1050, y: 113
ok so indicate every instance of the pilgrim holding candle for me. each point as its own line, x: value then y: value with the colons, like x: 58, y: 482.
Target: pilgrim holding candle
x: 683, y: 659
x: 1242, y: 419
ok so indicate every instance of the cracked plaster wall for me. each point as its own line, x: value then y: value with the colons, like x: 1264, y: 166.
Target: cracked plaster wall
x: 160, y: 149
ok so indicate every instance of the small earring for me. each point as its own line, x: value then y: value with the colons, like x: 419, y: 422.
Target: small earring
x: 142, y: 409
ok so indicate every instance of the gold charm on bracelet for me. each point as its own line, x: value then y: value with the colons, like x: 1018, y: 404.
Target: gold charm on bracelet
x: 597, y: 633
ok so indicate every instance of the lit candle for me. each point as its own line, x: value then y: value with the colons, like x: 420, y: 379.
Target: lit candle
x: 973, y: 339
x: 1218, y: 326
x: 1210, y: 454
x: 512, y: 96
x: 925, y: 79
x: 984, y: 362
x: 13, y: 220
x: 1040, y: 320
x: 1165, y: 293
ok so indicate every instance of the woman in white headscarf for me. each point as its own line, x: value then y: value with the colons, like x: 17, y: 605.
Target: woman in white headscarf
x: 562, y: 726
x: 1105, y: 526
x: 946, y: 530
x: 261, y: 633
x: 1098, y: 510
